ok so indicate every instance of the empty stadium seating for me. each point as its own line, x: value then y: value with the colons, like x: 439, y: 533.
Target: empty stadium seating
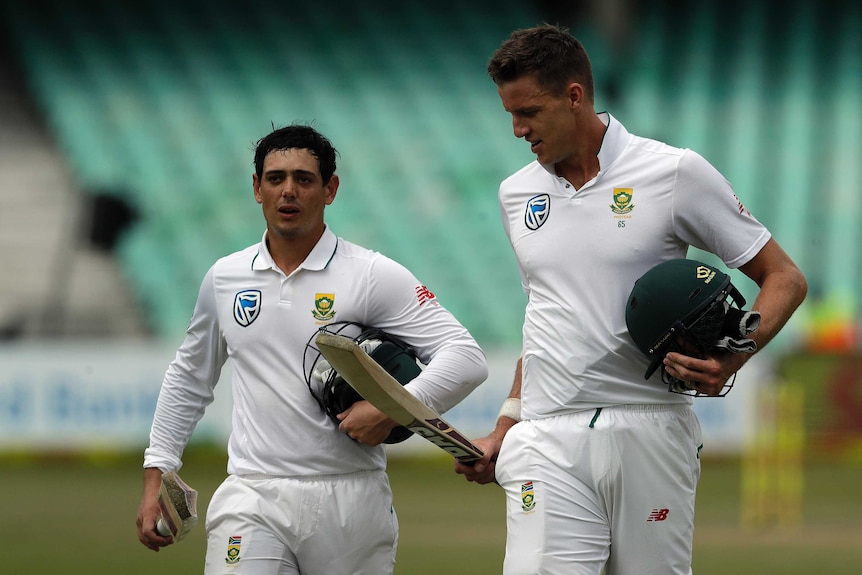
x: 165, y: 101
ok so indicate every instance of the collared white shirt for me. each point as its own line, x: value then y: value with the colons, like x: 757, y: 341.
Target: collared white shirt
x: 580, y: 251
x: 248, y: 310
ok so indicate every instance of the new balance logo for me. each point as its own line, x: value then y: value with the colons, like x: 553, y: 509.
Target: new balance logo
x: 658, y: 515
x: 423, y: 294
x: 742, y: 209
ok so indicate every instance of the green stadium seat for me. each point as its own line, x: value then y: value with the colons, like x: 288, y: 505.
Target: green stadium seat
x: 167, y: 100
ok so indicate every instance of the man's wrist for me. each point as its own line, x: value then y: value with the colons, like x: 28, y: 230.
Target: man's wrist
x: 511, y: 408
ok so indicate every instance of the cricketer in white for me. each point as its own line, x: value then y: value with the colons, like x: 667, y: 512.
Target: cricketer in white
x: 600, y: 466
x: 575, y: 337
x: 277, y: 426
x: 303, y: 495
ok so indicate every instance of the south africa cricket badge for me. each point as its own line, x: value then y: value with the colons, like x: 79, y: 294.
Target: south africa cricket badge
x: 324, y: 304
x: 622, y: 201
x: 233, y: 545
x: 528, y: 497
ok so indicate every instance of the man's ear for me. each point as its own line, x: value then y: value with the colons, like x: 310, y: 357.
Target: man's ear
x: 575, y: 94
x: 331, y: 189
x: 255, y: 184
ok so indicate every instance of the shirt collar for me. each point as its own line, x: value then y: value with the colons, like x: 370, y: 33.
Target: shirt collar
x: 614, y: 142
x: 317, y: 260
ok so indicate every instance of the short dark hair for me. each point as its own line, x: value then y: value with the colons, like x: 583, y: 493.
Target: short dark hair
x: 297, y: 136
x: 550, y: 52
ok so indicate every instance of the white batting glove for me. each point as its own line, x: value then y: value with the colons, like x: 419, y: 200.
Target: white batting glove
x: 322, y: 371
x: 369, y: 345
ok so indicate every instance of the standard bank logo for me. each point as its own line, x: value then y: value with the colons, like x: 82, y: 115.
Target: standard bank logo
x: 538, y: 209
x: 246, y: 307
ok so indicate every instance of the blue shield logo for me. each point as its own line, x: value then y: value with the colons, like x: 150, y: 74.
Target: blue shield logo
x: 246, y: 307
x: 538, y: 210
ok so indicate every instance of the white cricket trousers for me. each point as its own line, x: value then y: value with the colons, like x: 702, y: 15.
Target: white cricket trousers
x: 319, y: 525
x: 611, y: 488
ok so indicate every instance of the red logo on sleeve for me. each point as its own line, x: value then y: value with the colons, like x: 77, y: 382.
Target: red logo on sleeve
x: 742, y: 209
x: 424, y: 294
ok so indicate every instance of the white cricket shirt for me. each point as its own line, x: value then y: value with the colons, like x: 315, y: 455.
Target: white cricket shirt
x: 580, y: 252
x: 249, y: 311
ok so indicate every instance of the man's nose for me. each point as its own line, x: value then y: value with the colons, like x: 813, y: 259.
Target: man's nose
x: 289, y: 189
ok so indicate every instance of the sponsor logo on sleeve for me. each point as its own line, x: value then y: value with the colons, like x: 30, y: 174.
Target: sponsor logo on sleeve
x: 742, y: 209
x: 423, y: 294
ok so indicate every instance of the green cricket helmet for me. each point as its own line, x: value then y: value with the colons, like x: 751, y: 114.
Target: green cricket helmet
x: 334, y: 394
x: 676, y: 305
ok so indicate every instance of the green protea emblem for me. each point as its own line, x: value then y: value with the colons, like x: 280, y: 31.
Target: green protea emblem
x: 323, y: 304
x: 233, y: 546
x: 622, y: 201
x: 528, y: 497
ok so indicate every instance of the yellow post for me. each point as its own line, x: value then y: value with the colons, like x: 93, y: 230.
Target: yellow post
x: 790, y: 436
x: 772, y: 463
x: 755, y: 481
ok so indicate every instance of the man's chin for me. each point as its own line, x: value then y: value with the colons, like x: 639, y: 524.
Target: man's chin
x: 285, y: 232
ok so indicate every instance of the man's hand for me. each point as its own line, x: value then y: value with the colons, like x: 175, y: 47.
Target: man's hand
x: 484, y: 470
x: 365, y: 423
x: 709, y: 375
x: 148, y: 511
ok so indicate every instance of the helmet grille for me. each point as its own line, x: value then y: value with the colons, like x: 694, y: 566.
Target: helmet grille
x: 707, y: 328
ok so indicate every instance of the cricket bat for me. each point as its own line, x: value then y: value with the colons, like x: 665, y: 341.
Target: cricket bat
x: 178, y: 512
x: 385, y: 393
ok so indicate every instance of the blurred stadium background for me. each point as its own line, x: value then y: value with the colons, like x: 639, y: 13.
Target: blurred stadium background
x: 126, y: 138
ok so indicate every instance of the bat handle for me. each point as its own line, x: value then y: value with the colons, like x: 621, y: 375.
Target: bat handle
x: 162, y: 528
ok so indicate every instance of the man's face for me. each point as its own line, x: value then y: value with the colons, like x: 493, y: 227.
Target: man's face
x: 544, y: 120
x: 292, y: 193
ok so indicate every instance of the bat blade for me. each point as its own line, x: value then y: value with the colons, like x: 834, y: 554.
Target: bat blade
x: 177, y: 506
x: 385, y: 393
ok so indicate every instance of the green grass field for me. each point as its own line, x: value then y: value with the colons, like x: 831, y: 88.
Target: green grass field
x: 77, y: 516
